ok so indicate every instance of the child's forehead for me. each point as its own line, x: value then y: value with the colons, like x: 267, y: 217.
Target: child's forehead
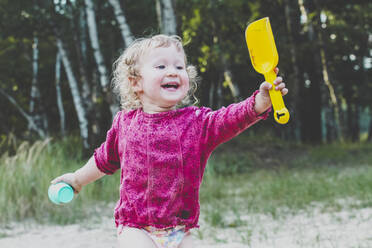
x: 164, y: 51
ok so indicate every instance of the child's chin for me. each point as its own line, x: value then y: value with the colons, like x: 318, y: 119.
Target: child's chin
x: 172, y: 102
x: 173, y: 97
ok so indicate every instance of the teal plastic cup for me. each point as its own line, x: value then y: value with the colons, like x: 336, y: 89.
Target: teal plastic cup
x: 60, y: 193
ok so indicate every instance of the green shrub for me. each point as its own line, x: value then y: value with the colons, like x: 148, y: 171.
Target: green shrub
x: 25, y: 178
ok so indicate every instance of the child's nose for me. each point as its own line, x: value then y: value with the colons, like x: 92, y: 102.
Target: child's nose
x: 172, y: 71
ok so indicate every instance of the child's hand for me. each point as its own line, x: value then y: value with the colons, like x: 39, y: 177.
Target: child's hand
x: 263, y: 101
x: 69, y: 178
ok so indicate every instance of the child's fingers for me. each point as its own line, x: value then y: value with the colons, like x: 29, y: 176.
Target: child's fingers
x: 265, y: 86
x: 56, y: 180
x: 62, y: 178
x: 284, y: 91
x: 276, y: 70
x: 280, y: 86
x: 278, y: 80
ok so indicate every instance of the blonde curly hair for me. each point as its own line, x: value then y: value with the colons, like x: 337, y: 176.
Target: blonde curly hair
x: 126, y: 68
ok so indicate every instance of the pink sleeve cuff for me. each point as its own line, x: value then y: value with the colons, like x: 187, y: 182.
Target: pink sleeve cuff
x: 262, y: 116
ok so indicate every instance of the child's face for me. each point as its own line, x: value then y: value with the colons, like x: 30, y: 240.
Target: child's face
x: 164, y: 81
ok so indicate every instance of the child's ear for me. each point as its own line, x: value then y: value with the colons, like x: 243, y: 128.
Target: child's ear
x: 134, y: 82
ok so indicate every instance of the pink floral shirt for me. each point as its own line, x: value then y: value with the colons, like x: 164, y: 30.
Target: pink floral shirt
x: 162, y: 158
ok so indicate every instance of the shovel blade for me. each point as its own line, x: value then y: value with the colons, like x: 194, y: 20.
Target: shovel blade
x: 261, y: 45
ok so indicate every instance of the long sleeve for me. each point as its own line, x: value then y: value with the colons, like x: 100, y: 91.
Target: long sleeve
x: 106, y: 156
x: 227, y: 122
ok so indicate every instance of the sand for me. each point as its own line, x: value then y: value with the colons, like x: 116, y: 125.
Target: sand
x: 341, y: 229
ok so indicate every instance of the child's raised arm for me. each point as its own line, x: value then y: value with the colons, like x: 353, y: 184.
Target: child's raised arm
x: 225, y: 123
x: 83, y: 176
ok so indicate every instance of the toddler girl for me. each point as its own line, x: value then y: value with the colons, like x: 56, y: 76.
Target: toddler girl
x: 160, y: 147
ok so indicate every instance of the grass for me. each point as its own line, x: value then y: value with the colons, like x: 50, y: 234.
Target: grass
x: 279, y: 178
x: 26, y: 175
x: 286, y: 191
x: 242, y: 177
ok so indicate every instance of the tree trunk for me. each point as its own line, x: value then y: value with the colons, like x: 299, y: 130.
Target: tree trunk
x: 158, y: 13
x: 211, y: 94
x: 83, y: 34
x: 333, y: 126
x: 104, y: 80
x: 36, y: 109
x: 369, y: 138
x: 169, y: 24
x: 79, y: 107
x: 92, y: 30
x: 61, y: 110
x: 329, y: 85
x: 28, y: 117
x: 294, y: 77
x: 311, y: 94
x: 35, y: 93
x: 355, y: 134
x: 123, y: 25
x: 80, y: 48
x: 228, y: 79
x: 233, y: 87
x: 89, y: 93
x: 308, y: 26
x: 329, y: 123
x: 363, y: 53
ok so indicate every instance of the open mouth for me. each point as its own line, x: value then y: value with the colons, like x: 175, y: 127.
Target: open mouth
x: 170, y: 86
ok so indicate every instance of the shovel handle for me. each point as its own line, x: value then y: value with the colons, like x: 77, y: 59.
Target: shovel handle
x: 281, y: 114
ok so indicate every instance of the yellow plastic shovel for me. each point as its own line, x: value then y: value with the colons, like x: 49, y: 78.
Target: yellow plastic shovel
x: 264, y: 57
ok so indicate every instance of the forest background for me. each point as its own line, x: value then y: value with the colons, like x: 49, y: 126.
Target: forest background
x: 56, y: 62
x: 56, y: 105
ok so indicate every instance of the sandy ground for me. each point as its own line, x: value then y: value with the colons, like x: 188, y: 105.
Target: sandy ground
x: 343, y: 229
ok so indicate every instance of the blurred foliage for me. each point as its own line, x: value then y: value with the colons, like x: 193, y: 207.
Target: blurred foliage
x: 213, y: 32
x: 254, y: 151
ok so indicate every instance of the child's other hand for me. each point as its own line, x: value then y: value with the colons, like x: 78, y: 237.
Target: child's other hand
x: 69, y: 178
x: 263, y: 101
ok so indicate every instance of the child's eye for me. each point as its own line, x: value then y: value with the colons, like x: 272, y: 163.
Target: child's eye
x: 179, y: 67
x: 160, y: 66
